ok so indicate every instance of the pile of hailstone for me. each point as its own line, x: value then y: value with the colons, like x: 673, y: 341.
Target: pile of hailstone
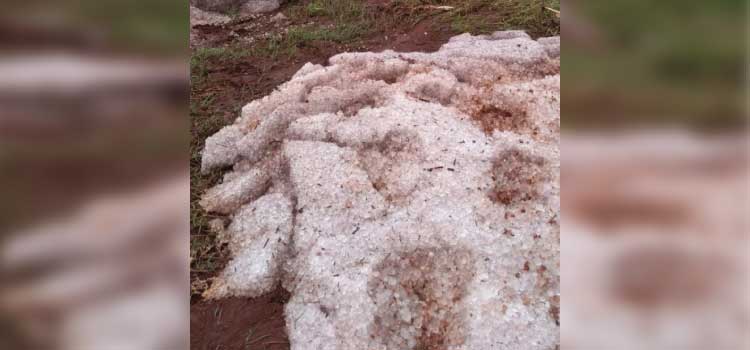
x: 406, y: 200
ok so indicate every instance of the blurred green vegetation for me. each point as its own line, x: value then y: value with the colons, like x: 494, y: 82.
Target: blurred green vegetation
x: 146, y: 27
x: 161, y: 25
x: 657, y: 62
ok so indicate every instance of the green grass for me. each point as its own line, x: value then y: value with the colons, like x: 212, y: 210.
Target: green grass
x: 223, y: 53
x: 343, y: 33
x: 300, y: 36
x: 206, y: 253
x: 273, y: 47
x: 486, y: 16
x: 650, y: 68
x: 201, y: 57
x: 340, y: 11
x: 157, y: 25
x: 351, y: 21
x: 233, y: 13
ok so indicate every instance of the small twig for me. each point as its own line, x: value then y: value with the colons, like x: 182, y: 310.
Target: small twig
x: 557, y: 12
x: 202, y: 270
x: 256, y: 340
x: 435, y: 7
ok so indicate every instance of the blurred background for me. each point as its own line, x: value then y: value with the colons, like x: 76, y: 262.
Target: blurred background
x: 655, y: 63
x: 94, y: 174
x: 654, y: 244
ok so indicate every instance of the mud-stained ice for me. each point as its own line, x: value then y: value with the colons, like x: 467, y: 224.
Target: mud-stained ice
x: 406, y: 200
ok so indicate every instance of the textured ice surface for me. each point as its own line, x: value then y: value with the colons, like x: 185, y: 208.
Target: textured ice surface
x: 406, y: 200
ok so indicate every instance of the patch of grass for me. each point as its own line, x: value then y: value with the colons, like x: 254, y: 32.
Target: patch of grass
x: 353, y: 20
x: 349, y: 21
x: 298, y: 36
x: 223, y: 53
x: 340, y: 11
x: 199, y: 60
x: 207, y: 100
x: 314, y: 9
x: 157, y: 25
x: 206, y: 253
x: 273, y: 47
x: 301, y: 36
x: 233, y: 13
x: 486, y: 16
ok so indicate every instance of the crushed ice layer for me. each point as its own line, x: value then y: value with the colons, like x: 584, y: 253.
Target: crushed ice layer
x: 406, y: 200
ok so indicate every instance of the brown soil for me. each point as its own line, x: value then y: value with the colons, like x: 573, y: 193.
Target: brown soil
x: 240, y: 323
x: 425, y: 36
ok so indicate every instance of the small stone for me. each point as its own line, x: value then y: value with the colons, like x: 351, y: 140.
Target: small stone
x: 199, y: 17
x: 279, y: 17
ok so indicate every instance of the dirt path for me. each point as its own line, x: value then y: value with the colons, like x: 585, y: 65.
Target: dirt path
x: 237, y: 323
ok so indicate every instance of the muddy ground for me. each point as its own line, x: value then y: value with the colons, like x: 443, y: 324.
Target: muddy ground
x: 245, y: 59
